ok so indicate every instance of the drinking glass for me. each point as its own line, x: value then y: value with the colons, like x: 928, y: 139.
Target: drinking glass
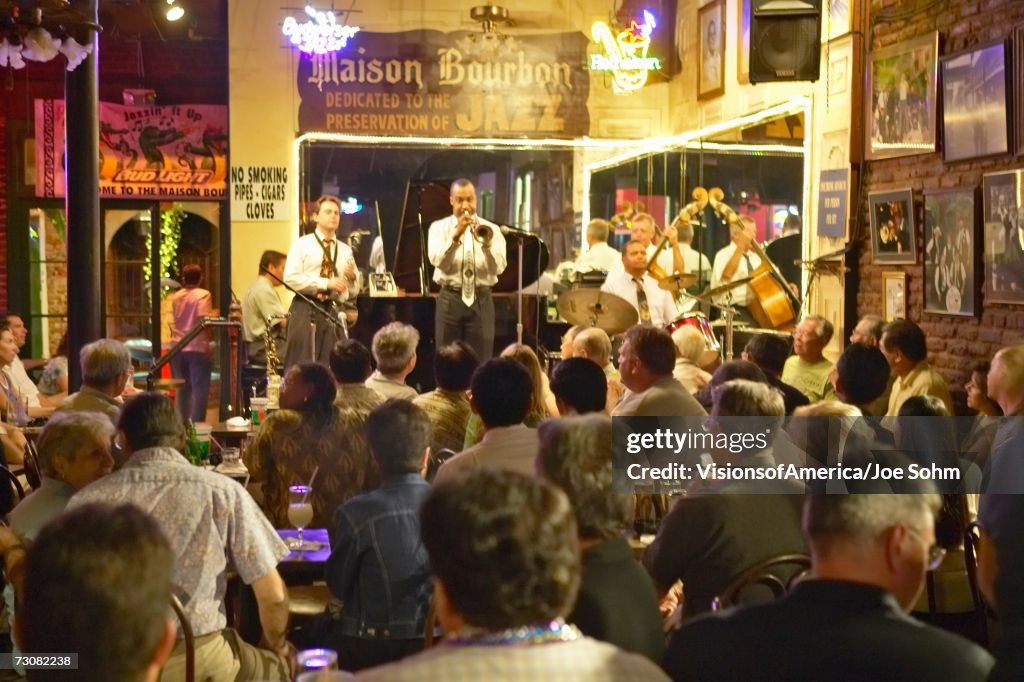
x: 300, y: 511
x: 316, y: 659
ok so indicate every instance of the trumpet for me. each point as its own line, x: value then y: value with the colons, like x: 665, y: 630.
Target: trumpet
x: 481, y: 233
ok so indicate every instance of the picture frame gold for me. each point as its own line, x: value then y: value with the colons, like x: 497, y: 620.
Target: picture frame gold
x: 711, y: 50
x: 894, y: 296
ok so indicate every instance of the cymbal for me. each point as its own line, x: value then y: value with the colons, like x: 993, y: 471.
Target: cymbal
x: 718, y: 291
x: 677, y: 282
x: 596, y: 308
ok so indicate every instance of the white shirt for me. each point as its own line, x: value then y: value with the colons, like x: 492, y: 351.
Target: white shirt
x: 666, y: 260
x: 599, y: 256
x: 22, y: 383
x: 302, y: 269
x: 740, y: 295
x: 663, y: 308
x: 448, y: 259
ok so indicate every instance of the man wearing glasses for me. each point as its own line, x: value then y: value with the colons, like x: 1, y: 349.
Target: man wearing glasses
x: 847, y: 619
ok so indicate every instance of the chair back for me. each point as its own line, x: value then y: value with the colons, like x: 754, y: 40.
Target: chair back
x: 766, y: 574
x: 12, y: 493
x: 972, y: 537
x: 190, y: 640
x: 32, y: 473
x: 430, y: 627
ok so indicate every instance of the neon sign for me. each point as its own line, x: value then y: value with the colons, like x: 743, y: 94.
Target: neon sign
x: 320, y: 34
x: 625, y: 54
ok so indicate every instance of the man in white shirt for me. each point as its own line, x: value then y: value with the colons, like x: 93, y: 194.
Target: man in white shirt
x: 22, y: 383
x: 644, y: 230
x: 466, y: 268
x: 322, y: 267
x: 736, y: 261
x: 598, y: 256
x: 694, y: 262
x: 632, y: 283
x: 262, y: 307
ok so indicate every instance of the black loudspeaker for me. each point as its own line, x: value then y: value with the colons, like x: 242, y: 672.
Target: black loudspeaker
x: 785, y: 40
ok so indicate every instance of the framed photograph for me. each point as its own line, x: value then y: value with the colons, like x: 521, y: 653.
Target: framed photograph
x: 1003, y: 213
x: 1018, y: 105
x: 950, y: 233
x: 894, y: 296
x: 711, y: 50
x: 743, y: 43
x: 837, y: 19
x: 975, y: 104
x: 901, y: 98
x: 893, y: 233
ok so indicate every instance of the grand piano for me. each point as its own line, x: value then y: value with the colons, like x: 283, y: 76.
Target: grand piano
x: 425, y: 202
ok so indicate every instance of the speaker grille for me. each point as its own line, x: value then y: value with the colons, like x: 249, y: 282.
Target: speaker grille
x: 785, y: 46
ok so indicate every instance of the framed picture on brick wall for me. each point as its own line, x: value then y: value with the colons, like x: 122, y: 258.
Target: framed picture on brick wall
x: 976, y: 103
x: 893, y: 233
x: 1003, y: 214
x: 1018, y: 73
x: 901, y: 98
x: 894, y: 296
x: 950, y: 234
x: 711, y: 50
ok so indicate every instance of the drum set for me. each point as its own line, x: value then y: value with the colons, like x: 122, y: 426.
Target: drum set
x: 591, y: 307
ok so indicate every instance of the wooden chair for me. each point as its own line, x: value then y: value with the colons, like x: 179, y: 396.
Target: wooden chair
x: 972, y: 538
x: 32, y: 473
x: 16, y: 491
x: 190, y: 640
x: 764, y: 574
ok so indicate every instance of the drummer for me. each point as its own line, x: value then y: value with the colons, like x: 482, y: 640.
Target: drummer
x: 633, y: 284
x: 737, y: 261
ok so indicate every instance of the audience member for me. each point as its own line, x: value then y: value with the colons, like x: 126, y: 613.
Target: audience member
x: 868, y: 332
x: 594, y: 345
x: 690, y: 350
x: 214, y: 526
x: 22, y: 384
x: 447, y: 406
x: 568, y: 341
x: 770, y: 352
x: 351, y: 365
x: 580, y: 387
x: 807, y: 369
x: 394, y: 351
x: 646, y: 360
x: 904, y: 347
x: 616, y: 602
x: 848, y: 621
x: 860, y: 376
x: 13, y: 439
x: 378, y: 566
x: 194, y: 363
x: 707, y: 540
x: 501, y: 394
x: 977, y: 443
x: 54, y: 381
x: 506, y: 567
x: 308, y: 435
x: 733, y: 369
x: 97, y: 582
x: 106, y: 371
x: 1001, y: 555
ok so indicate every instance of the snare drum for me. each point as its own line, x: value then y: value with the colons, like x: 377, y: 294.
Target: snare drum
x: 699, y: 322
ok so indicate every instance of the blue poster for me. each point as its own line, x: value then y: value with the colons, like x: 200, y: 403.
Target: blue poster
x: 833, y: 189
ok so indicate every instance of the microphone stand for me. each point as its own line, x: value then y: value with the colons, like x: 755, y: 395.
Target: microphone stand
x: 519, y: 293
x: 339, y: 324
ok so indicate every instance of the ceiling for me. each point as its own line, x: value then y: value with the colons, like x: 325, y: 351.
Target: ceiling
x: 144, y: 19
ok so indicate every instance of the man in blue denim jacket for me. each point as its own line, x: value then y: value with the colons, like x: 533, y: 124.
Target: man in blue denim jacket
x: 378, y: 566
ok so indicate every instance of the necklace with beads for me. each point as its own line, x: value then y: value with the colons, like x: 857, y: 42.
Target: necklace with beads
x: 529, y: 635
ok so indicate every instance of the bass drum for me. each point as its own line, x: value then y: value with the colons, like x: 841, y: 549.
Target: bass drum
x: 698, y: 321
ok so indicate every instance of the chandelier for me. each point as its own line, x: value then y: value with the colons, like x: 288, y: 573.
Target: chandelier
x: 38, y: 31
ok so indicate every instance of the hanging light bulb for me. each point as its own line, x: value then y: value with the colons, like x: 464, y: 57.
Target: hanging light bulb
x: 175, y: 12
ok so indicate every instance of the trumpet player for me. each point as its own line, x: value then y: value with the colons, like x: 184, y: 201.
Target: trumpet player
x: 468, y: 254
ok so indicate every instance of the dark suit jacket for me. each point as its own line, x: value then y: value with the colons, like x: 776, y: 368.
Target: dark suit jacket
x: 822, y: 630
x: 617, y: 603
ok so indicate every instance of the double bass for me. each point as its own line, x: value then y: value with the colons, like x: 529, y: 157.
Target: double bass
x: 773, y: 306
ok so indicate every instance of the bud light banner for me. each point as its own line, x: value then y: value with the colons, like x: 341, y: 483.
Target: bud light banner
x: 429, y: 83
x: 158, y: 152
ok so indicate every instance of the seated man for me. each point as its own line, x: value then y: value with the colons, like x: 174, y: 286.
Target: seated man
x: 502, y: 394
x: 580, y: 387
x: 769, y: 352
x: 447, y: 405
x: 106, y: 370
x: 860, y: 376
x: 23, y: 384
x: 848, y: 621
x: 378, y: 567
x: 690, y: 351
x: 97, y: 582
x: 868, y: 332
x: 646, y: 360
x: 394, y: 351
x: 351, y: 366
x: 905, y: 348
x: 506, y: 567
x: 214, y: 526
x: 707, y: 540
x: 807, y: 369
x: 593, y: 344
x: 616, y: 603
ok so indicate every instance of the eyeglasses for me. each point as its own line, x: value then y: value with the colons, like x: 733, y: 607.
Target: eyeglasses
x: 935, y: 553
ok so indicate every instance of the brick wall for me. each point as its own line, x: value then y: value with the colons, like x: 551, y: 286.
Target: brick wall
x: 181, y: 71
x: 954, y: 343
